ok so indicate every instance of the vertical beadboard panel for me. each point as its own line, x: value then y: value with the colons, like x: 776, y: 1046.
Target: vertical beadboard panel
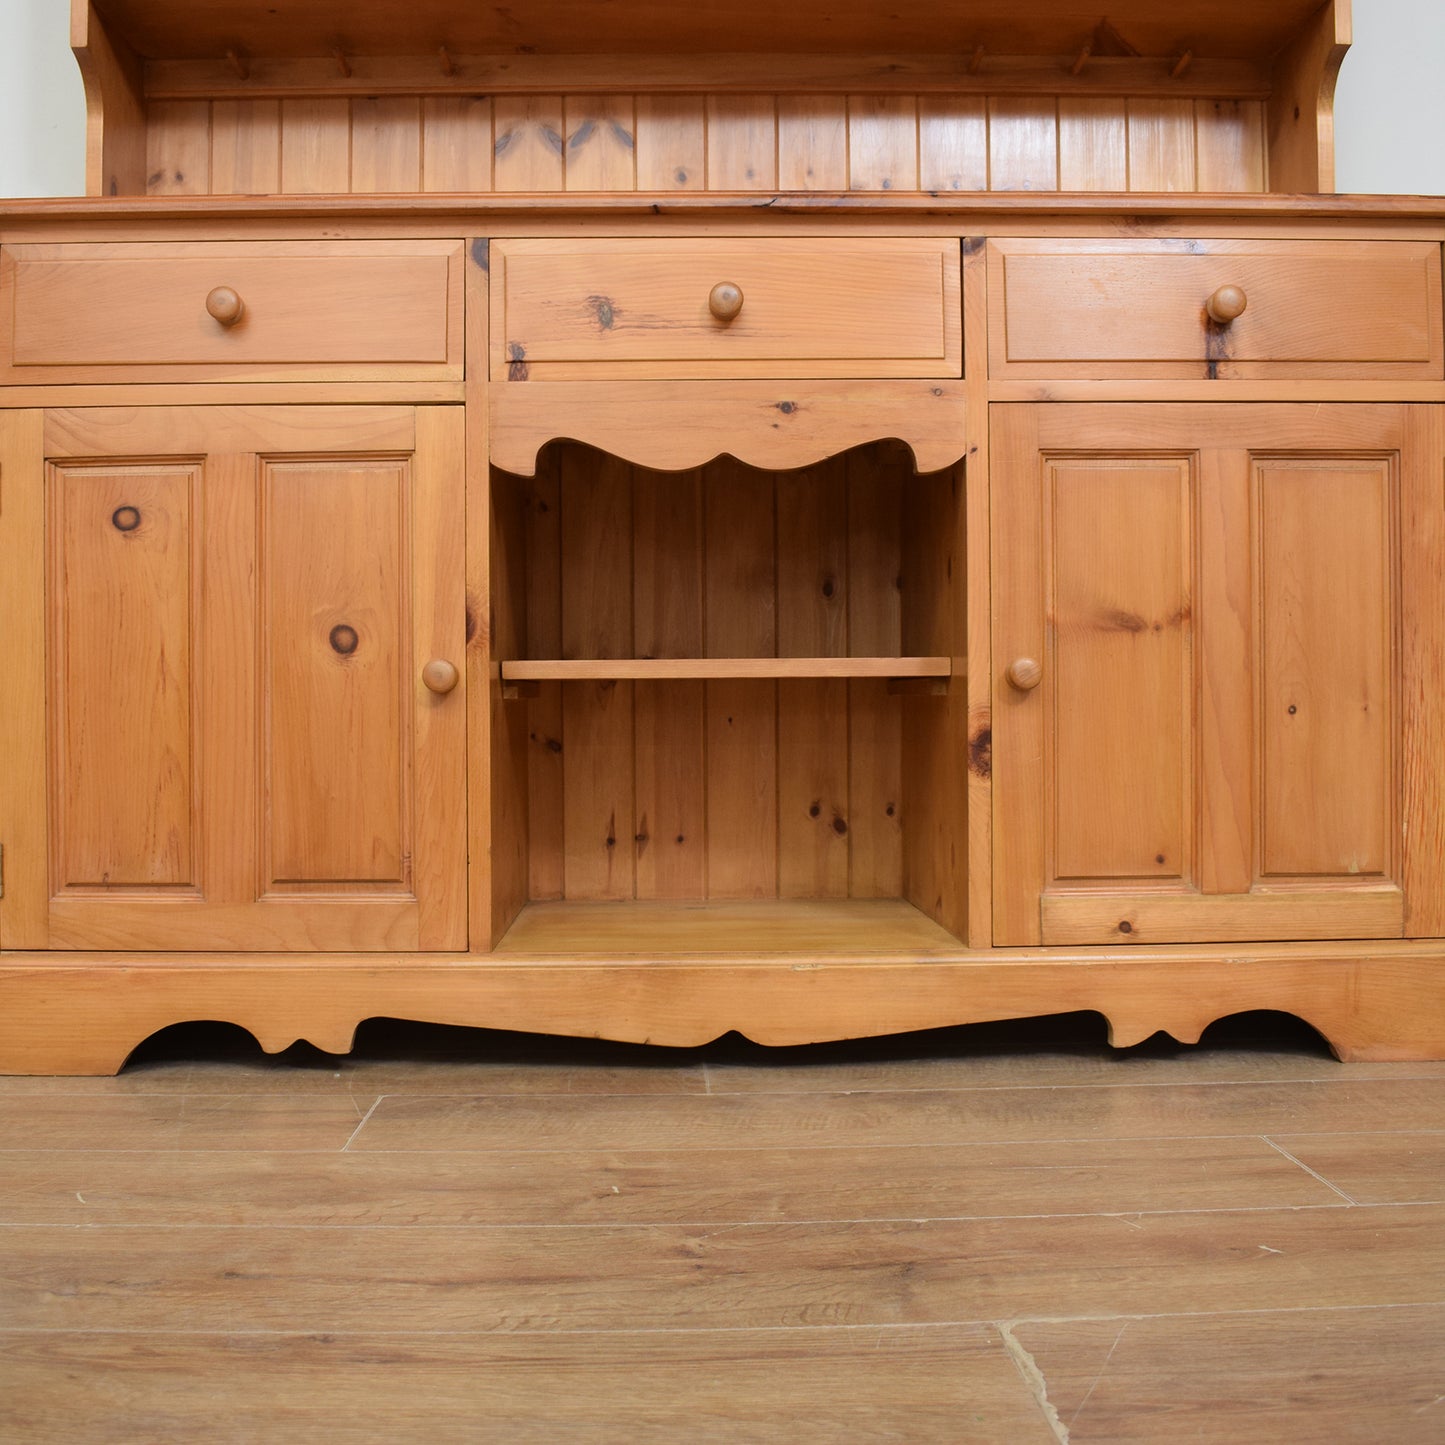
x: 670, y: 728
x: 1093, y: 144
x: 812, y: 143
x: 528, y: 143
x: 548, y: 143
x: 742, y: 143
x: 1023, y: 144
x: 385, y: 144
x: 739, y: 539
x: 178, y: 148
x: 1230, y: 145
x: 882, y: 143
x: 878, y: 477
x: 601, y: 135
x: 546, y: 745
x: 598, y: 791
x: 671, y: 143
x: 315, y: 146
x: 456, y: 143
x: 1161, y: 145
x: 813, y: 819
x: 245, y: 147
x: 952, y: 143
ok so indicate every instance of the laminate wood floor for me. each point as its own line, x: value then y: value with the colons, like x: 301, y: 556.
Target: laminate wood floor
x: 1008, y: 1233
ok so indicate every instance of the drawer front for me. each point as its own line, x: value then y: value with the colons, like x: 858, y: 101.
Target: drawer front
x: 569, y: 310
x: 319, y: 310
x: 1335, y: 309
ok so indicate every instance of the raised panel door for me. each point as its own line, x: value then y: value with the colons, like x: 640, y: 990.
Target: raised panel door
x: 1211, y: 743
x: 240, y: 750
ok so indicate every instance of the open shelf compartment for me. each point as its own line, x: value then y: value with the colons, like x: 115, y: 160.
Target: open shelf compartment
x: 742, y: 721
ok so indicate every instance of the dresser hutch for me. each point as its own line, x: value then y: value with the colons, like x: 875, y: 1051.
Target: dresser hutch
x: 646, y: 520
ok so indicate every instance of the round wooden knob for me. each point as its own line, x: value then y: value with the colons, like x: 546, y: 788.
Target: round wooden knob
x: 725, y: 300
x: 1024, y: 673
x: 1226, y: 303
x: 440, y: 675
x: 225, y: 305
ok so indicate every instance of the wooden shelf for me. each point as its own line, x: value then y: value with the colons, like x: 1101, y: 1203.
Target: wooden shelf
x: 677, y: 669
x: 160, y: 29
x: 838, y: 928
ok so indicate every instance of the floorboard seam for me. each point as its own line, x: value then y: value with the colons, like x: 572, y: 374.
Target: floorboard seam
x: 1033, y: 1377
x: 1273, y: 1144
x: 376, y: 1104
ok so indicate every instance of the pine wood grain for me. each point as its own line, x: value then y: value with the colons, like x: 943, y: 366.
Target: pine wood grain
x: 742, y: 142
x: 318, y: 310
x: 171, y: 1123
x: 788, y: 424
x: 124, y: 603
x: 546, y: 760
x: 952, y: 143
x: 882, y: 143
x: 1071, y: 310
x: 315, y: 146
x: 1388, y: 1167
x: 1094, y: 144
x: 1302, y: 1374
x: 1023, y: 142
x: 456, y: 140
x: 740, y: 611
x: 671, y: 143
x: 24, y: 792
x: 601, y: 138
x: 234, y: 1177
x: 874, y: 1382
x: 178, y: 148
x: 756, y: 1119
x: 666, y: 1276
x: 669, y: 717
x: 1046, y: 28
x: 813, y: 143
x: 528, y: 142
x: 1161, y: 145
x: 598, y: 779
x: 246, y: 147
x: 386, y: 144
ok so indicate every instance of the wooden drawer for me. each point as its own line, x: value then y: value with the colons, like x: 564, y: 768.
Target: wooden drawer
x: 325, y: 310
x: 587, y: 309
x: 1353, y: 310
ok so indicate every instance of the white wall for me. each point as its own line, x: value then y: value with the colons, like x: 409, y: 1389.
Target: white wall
x: 1390, y: 105
x: 42, y: 104
x: 1390, y: 112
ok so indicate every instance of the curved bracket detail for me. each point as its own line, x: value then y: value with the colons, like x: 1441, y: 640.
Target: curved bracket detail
x: 774, y: 425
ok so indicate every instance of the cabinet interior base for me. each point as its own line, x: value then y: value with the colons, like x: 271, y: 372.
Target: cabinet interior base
x: 844, y: 928
x: 85, y: 1013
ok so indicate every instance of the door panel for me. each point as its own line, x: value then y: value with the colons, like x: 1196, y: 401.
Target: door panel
x: 1326, y: 705
x: 336, y: 796
x: 242, y: 753
x: 1122, y: 692
x: 1211, y: 752
x: 122, y: 696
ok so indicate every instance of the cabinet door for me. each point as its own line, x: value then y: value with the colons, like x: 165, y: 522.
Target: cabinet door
x: 239, y: 750
x: 1219, y: 738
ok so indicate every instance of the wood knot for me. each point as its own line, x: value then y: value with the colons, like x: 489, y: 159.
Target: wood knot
x: 980, y: 753
x: 125, y: 519
x: 344, y: 640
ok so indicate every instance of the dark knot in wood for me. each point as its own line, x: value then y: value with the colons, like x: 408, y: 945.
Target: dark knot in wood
x: 125, y: 519
x: 344, y: 639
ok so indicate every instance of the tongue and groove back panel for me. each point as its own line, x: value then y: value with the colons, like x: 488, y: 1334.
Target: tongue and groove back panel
x: 722, y: 142
x: 749, y: 788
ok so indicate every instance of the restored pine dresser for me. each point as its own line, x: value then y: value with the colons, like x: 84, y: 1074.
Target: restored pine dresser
x: 646, y: 520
